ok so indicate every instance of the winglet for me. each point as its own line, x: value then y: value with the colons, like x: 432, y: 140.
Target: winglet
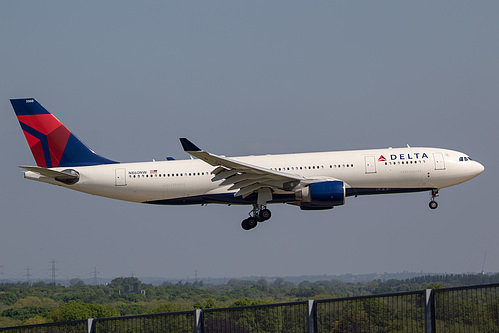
x: 188, y: 146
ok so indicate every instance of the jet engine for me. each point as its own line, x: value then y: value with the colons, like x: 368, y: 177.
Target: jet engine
x: 321, y: 195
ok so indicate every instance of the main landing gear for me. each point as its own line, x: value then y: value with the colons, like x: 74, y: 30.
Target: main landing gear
x: 433, y: 204
x: 259, y: 213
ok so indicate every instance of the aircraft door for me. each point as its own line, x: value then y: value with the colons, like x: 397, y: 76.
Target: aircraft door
x: 120, y: 177
x: 439, y: 161
x: 370, y: 164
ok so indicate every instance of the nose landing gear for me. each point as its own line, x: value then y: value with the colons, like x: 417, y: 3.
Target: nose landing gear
x: 433, y: 204
x: 259, y: 213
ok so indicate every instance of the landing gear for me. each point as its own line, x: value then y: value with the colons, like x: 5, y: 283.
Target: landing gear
x: 264, y: 215
x: 259, y: 213
x: 249, y: 223
x: 433, y: 204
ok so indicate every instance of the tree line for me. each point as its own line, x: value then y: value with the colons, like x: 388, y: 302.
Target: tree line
x: 26, y: 304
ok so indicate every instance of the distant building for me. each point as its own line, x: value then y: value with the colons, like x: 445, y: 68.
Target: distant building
x: 135, y: 290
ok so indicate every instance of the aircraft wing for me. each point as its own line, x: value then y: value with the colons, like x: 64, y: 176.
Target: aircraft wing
x: 244, y: 177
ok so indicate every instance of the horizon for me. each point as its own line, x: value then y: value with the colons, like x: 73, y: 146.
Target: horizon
x: 155, y: 280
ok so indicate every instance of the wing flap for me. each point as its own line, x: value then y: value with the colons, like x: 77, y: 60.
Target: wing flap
x: 224, y: 174
x: 245, y: 191
x: 241, y: 177
x: 245, y: 183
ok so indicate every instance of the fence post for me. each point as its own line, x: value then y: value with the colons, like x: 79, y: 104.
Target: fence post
x: 90, y: 325
x: 310, y: 317
x: 198, y: 327
x: 428, y: 311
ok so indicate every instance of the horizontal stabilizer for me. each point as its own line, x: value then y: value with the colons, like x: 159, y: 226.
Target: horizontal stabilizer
x: 67, y: 176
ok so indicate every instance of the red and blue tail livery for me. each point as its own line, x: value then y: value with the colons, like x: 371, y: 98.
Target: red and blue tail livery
x: 311, y: 181
x: 52, y: 143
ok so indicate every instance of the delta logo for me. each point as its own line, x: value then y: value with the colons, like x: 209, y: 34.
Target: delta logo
x: 403, y: 157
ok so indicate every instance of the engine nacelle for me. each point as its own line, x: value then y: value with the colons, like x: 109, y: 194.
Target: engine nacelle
x: 322, y: 195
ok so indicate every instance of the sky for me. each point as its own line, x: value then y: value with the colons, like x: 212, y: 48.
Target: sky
x: 255, y: 77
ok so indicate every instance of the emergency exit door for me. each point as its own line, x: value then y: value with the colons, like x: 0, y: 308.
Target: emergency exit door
x: 120, y: 177
x: 370, y: 164
x: 439, y: 161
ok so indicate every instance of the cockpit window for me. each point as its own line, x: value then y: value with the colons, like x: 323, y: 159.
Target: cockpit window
x: 465, y: 158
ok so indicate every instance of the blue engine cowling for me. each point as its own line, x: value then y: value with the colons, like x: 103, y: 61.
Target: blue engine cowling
x: 321, y: 195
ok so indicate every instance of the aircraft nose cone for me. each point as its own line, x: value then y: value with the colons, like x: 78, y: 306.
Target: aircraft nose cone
x: 479, y: 168
x: 474, y: 169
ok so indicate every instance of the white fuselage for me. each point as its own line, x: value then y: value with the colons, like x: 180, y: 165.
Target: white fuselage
x: 362, y: 171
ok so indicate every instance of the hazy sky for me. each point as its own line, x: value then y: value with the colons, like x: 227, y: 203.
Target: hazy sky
x: 129, y: 78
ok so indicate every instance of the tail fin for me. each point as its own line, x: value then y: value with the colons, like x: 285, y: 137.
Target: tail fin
x: 51, y: 143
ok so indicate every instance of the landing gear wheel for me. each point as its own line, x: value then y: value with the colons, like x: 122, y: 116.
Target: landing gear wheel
x: 433, y: 204
x: 264, y: 215
x: 245, y: 225
x: 259, y: 213
x: 251, y: 222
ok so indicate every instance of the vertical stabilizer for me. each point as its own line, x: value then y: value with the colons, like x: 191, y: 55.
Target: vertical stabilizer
x: 52, y: 143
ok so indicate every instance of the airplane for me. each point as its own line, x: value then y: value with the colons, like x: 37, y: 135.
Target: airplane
x: 311, y: 181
